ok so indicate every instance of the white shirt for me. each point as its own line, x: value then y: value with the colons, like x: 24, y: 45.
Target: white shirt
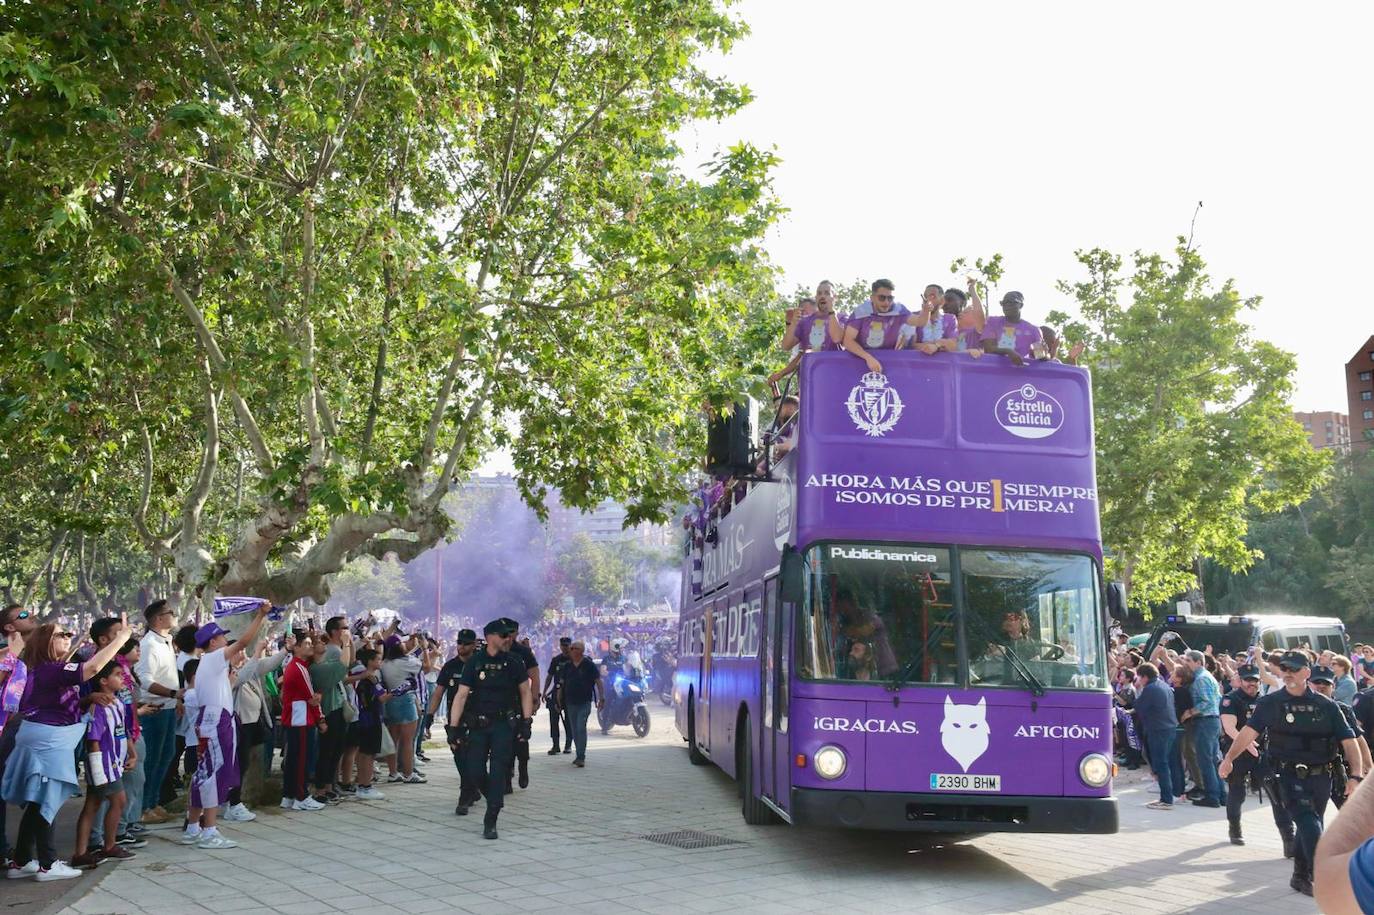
x: 157, y: 664
x: 212, y: 688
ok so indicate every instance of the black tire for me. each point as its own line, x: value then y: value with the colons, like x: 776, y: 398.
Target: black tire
x: 694, y: 755
x: 756, y: 812
x: 640, y: 722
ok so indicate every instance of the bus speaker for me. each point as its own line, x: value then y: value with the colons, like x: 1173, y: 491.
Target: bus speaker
x: 730, y: 441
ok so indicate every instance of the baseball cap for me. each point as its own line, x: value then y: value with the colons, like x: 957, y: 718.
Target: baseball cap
x: 1013, y: 298
x: 1322, y: 674
x: 1248, y: 672
x: 1293, y: 659
x: 207, y: 632
x: 466, y: 637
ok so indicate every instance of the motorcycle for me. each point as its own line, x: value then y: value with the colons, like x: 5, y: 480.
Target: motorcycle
x: 624, y: 706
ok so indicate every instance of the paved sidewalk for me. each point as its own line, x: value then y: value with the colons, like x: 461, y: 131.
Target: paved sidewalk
x: 572, y: 842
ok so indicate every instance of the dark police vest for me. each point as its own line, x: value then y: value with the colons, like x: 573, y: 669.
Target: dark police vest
x: 1301, y: 729
x: 495, y: 684
x: 1237, y: 703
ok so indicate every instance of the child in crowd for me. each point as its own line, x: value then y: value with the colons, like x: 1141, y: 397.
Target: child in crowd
x: 189, y: 710
x: 108, y: 758
x: 365, y: 734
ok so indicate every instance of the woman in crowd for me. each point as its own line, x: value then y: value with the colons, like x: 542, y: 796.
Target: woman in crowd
x: 401, y: 714
x: 41, y: 772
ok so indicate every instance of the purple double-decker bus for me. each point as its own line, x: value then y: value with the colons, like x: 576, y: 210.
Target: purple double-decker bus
x: 904, y: 629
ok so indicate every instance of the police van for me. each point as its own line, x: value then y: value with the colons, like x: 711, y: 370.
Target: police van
x: 1235, y: 634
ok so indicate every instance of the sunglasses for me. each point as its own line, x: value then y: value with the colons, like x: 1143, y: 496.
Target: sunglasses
x: 23, y: 615
x: 883, y: 298
x: 1289, y: 669
x: 64, y: 635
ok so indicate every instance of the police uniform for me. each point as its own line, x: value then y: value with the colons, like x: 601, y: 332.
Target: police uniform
x: 558, y: 712
x: 522, y: 748
x: 491, y: 722
x: 1339, y: 775
x: 1248, y: 767
x: 1304, y: 736
x: 450, y: 678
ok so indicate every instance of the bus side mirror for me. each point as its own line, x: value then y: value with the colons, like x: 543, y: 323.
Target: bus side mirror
x: 792, y: 571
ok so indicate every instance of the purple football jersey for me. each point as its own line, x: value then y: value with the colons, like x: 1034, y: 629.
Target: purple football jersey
x: 107, y: 728
x: 877, y: 331
x: 813, y: 333
x: 1019, y: 337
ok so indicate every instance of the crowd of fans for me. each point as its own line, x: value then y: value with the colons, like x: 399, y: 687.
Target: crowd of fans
x: 1175, y: 698
x: 134, y: 719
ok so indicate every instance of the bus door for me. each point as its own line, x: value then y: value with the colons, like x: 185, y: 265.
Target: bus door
x: 775, y: 753
x: 703, y: 709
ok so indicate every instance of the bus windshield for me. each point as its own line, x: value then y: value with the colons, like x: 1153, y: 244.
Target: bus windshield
x: 892, y: 613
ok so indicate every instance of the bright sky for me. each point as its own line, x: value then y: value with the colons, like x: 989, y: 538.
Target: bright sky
x: 912, y: 133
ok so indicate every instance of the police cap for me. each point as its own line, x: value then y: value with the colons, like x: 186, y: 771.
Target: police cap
x: 511, y: 625
x: 1322, y: 674
x: 1293, y: 659
x: 466, y: 637
x: 497, y: 627
x: 565, y: 640
x: 1248, y: 672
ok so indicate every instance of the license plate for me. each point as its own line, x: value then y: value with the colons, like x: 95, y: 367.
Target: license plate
x: 965, y: 782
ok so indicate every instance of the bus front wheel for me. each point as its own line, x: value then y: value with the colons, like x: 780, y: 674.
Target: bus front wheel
x: 756, y: 812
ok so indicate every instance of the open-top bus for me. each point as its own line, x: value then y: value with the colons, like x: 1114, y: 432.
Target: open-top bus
x: 904, y: 628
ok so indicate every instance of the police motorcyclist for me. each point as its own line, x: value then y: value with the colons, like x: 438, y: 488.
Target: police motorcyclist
x: 446, y: 688
x: 493, y: 710
x: 1305, y: 731
x: 1324, y: 681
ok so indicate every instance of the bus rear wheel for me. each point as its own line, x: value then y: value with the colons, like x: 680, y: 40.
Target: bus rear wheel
x: 694, y: 755
x: 756, y: 812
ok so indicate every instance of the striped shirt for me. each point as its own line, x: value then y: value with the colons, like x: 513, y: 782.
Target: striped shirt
x: 106, y: 728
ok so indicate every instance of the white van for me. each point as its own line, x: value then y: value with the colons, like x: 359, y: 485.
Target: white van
x: 1235, y: 634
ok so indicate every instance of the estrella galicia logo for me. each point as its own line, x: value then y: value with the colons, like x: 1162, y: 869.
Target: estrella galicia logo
x: 1029, y: 412
x: 874, y: 407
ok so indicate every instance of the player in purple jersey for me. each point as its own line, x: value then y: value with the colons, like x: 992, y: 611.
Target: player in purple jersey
x: 882, y: 329
x: 1010, y: 336
x: 109, y: 754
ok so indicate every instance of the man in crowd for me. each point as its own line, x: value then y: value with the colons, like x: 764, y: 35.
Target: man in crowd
x: 581, y: 684
x: 881, y: 329
x: 523, y: 652
x: 1154, y: 709
x: 1206, y: 725
x: 161, y: 688
x: 1235, y: 711
x: 333, y: 658
x: 1323, y: 681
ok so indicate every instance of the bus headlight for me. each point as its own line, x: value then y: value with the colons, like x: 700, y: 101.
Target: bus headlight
x: 830, y: 762
x: 1095, y: 770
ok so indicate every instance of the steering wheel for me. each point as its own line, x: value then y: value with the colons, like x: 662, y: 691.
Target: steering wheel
x: 1053, y: 653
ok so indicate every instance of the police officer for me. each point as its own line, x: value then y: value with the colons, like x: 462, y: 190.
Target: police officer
x: 446, y: 688
x: 553, y: 697
x: 491, y: 713
x: 1235, y: 711
x: 526, y: 655
x: 1324, y: 681
x: 1305, y: 731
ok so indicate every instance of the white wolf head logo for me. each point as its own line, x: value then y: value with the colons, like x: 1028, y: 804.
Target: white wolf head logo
x: 964, y: 732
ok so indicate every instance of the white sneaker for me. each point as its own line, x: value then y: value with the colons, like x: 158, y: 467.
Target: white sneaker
x: 237, y: 813
x: 395, y: 778
x: 288, y: 803
x: 309, y: 804
x: 214, y: 842
x: 18, y: 873
x: 370, y: 794
x: 58, y: 871
x: 416, y: 779
x: 190, y: 838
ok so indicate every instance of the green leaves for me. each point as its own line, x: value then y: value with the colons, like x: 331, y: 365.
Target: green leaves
x: 1194, y: 426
